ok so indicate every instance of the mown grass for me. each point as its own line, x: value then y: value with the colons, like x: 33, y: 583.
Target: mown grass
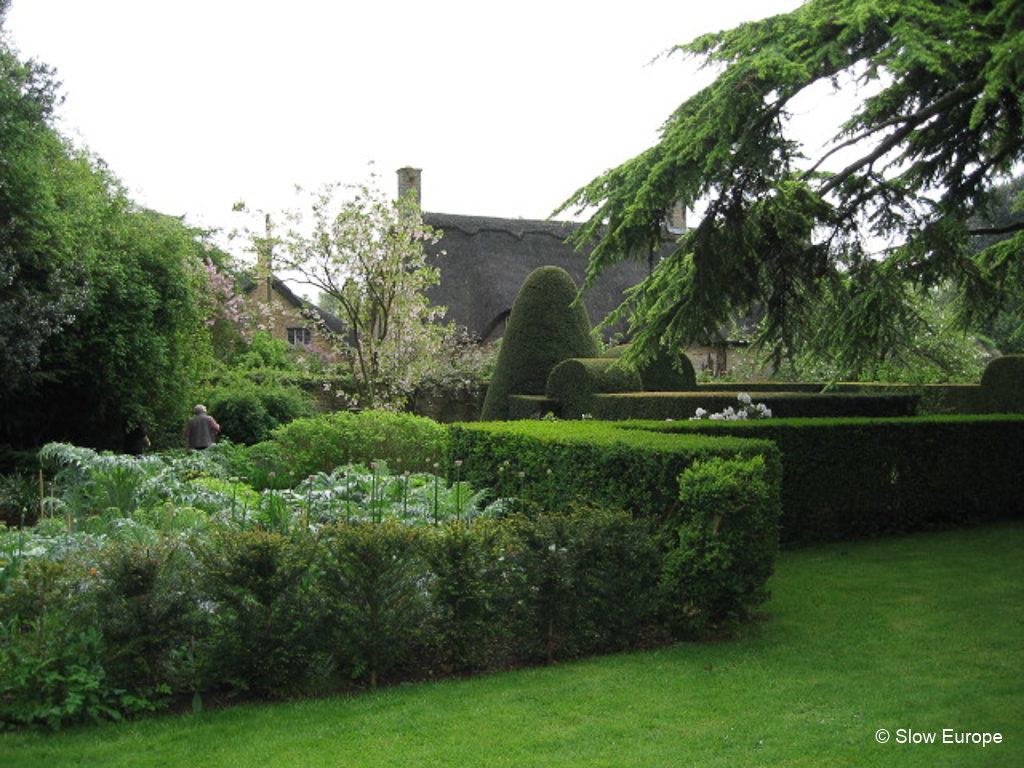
x: 924, y: 632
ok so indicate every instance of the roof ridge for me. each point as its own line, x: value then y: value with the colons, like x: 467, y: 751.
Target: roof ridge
x: 518, y: 228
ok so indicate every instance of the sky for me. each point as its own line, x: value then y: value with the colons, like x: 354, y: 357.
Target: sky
x: 507, y: 108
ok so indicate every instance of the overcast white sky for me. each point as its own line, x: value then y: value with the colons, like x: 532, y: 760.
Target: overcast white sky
x: 507, y: 107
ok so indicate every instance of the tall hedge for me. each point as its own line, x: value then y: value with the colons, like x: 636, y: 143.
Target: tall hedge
x: 554, y: 463
x: 853, y: 477
x: 547, y: 325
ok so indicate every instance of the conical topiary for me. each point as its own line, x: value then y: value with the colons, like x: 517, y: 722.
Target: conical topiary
x: 544, y: 328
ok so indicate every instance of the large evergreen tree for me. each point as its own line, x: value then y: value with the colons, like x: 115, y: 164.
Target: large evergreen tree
x: 940, y: 122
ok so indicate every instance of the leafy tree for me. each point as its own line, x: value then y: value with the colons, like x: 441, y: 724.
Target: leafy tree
x: 938, y: 122
x: 99, y: 324
x: 39, y: 291
x: 138, y: 345
x: 366, y: 253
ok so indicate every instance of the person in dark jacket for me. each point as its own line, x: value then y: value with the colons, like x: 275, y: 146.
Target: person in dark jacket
x: 201, y: 430
x: 136, y: 441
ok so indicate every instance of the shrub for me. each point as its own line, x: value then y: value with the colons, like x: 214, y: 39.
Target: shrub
x: 727, y: 539
x: 464, y: 591
x: 1002, y: 385
x: 546, y: 326
x: 248, y: 412
x: 146, y: 610
x: 319, y: 444
x: 665, y: 372
x: 575, y: 381
x: 263, y: 631
x: 847, y: 478
x: 583, y: 580
x: 605, y: 464
x: 372, y: 576
x: 19, y: 499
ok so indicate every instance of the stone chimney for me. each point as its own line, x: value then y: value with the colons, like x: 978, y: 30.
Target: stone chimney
x: 265, y: 262
x: 409, y: 183
x: 675, y: 218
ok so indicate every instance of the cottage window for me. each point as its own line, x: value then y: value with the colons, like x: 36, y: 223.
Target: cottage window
x: 301, y: 337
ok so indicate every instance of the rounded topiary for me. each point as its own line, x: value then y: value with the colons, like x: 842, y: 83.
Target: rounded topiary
x: 546, y: 326
x: 575, y: 381
x: 663, y: 373
x: 1002, y: 384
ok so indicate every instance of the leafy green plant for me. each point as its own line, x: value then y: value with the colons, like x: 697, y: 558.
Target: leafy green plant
x: 322, y: 443
x: 725, y: 544
x: 373, y: 493
x: 147, y: 610
x: 61, y: 684
x: 372, y: 578
x: 263, y: 632
x: 92, y: 483
x: 51, y: 652
x: 464, y: 589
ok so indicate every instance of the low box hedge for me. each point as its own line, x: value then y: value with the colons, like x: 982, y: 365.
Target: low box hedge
x: 556, y: 462
x: 532, y: 406
x: 679, y: 406
x: 848, y: 478
x: 840, y: 478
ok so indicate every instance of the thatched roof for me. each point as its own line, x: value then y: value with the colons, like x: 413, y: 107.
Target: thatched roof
x: 485, y: 261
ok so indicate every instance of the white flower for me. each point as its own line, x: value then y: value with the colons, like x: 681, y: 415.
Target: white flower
x: 744, y: 398
x: 700, y: 413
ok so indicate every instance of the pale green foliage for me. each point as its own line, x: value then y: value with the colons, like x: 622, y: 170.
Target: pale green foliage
x: 939, y: 123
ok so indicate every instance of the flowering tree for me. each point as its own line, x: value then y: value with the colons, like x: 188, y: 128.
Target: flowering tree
x: 366, y: 254
x: 227, y: 312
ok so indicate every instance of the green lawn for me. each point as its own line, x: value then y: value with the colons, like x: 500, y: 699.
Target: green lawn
x: 924, y: 632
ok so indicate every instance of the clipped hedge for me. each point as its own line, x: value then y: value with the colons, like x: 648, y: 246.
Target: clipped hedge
x: 555, y: 463
x: 532, y: 407
x: 1002, y: 385
x: 574, y: 382
x: 725, y: 549
x: 664, y: 372
x: 546, y: 326
x: 678, y: 406
x: 849, y: 478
